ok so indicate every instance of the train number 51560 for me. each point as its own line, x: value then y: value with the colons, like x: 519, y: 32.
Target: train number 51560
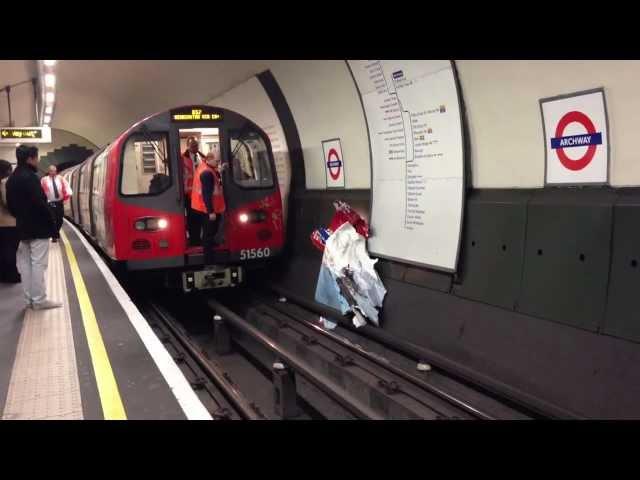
x: 255, y: 253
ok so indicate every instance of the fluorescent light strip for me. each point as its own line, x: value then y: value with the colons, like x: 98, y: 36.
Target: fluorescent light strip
x: 50, y: 80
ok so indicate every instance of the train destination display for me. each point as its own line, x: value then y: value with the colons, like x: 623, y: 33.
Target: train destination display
x: 194, y: 115
x: 417, y: 159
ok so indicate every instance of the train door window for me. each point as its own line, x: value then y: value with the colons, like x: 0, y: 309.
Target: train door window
x: 98, y: 194
x: 74, y: 198
x: 83, y: 193
x: 208, y: 140
x: 145, y: 164
x: 250, y: 161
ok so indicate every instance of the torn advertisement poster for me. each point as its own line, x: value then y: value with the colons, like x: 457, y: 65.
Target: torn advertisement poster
x: 319, y: 237
x: 346, y: 214
x: 348, y: 280
x: 327, y: 324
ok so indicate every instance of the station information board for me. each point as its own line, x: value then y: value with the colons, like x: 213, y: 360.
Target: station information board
x: 25, y: 135
x: 412, y: 110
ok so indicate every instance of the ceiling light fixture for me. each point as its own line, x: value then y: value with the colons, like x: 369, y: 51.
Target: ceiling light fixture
x: 50, y: 80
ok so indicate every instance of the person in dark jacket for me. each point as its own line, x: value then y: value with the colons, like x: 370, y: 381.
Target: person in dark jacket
x: 8, y: 233
x: 35, y: 223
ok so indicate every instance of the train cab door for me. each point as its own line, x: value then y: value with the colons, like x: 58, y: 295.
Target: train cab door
x: 195, y: 141
x: 150, y: 210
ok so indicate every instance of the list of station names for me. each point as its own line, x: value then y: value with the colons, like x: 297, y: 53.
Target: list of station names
x: 415, y: 134
x: 407, y: 136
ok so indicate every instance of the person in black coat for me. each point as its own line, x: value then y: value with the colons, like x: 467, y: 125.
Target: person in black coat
x: 36, y: 225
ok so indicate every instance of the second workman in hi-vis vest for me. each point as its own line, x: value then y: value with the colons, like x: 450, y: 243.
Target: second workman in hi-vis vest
x: 207, y: 198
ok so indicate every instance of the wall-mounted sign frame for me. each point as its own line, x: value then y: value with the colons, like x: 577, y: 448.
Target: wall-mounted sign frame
x: 413, y: 113
x: 333, y: 163
x: 576, y: 139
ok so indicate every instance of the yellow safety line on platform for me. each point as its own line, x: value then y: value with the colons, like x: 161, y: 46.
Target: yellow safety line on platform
x: 112, y: 407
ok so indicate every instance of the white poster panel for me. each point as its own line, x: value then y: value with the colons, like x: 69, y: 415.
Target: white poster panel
x: 250, y: 100
x: 576, y: 138
x: 417, y: 159
x: 333, y: 163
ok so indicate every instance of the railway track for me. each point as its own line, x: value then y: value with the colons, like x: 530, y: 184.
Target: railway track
x: 263, y: 357
x: 214, y: 386
x: 370, y: 382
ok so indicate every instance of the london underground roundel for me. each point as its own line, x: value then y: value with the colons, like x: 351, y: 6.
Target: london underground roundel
x: 576, y: 138
x: 333, y: 163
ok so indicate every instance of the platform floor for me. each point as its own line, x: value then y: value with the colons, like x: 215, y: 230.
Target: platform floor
x: 95, y: 358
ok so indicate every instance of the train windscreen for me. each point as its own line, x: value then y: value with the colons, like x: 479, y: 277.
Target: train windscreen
x: 250, y: 160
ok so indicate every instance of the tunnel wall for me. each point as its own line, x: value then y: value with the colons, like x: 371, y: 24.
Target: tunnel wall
x: 506, y: 148
x: 545, y: 298
x: 562, y: 330
x: 505, y: 126
x: 324, y: 102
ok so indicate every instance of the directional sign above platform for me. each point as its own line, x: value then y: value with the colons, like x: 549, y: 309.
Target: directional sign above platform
x: 25, y: 135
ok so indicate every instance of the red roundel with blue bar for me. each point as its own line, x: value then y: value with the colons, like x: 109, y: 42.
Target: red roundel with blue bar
x: 591, y: 139
x: 334, y: 164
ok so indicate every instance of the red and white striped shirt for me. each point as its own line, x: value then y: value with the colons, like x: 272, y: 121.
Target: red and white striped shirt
x: 64, y: 190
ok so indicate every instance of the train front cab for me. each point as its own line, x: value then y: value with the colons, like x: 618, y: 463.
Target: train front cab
x: 151, y: 228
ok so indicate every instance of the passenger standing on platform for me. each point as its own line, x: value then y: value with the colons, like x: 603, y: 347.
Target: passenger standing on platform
x: 57, y: 191
x: 8, y: 233
x: 208, y: 198
x: 34, y: 220
x: 191, y: 159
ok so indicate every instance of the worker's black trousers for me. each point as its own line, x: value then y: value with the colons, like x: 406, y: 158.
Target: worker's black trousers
x: 210, y: 238
x: 57, y: 208
x: 194, y: 223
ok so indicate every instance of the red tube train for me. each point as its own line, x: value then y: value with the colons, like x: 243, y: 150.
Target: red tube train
x: 129, y: 197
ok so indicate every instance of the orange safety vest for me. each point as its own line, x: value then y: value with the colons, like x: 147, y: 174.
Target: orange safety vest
x: 197, y: 201
x: 45, y: 186
x: 187, y: 171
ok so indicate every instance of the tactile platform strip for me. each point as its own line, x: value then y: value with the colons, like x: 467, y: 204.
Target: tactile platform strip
x: 44, y: 381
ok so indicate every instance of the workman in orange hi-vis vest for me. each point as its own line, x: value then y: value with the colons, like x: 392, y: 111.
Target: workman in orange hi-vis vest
x: 191, y: 159
x: 208, y: 198
x: 57, y: 191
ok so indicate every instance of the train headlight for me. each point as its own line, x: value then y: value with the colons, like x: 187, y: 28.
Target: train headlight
x: 254, y: 216
x: 151, y: 224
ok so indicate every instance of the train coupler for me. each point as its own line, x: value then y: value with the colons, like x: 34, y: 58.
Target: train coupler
x: 212, y: 277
